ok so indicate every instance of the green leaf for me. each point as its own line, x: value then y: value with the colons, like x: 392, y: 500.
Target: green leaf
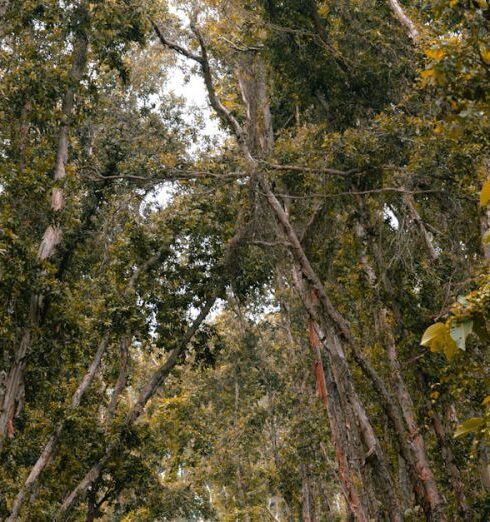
x: 459, y: 332
x: 469, y: 426
x: 485, y: 194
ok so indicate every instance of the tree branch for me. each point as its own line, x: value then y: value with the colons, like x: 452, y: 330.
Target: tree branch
x: 175, y: 46
x: 301, y: 168
x: 404, y: 20
x: 227, y: 119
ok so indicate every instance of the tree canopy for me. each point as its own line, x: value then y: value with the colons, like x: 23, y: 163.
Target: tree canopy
x: 287, y: 320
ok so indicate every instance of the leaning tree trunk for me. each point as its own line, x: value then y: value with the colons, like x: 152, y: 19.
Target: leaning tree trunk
x: 49, y: 449
x: 52, y: 236
x: 147, y: 392
x: 326, y: 311
x: 259, y: 142
x: 432, y: 500
x: 347, y: 451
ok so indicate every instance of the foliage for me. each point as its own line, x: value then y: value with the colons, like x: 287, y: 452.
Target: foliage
x: 379, y: 156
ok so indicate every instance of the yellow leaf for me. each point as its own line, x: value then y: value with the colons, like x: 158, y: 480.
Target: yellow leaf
x: 437, y: 337
x: 432, y: 333
x: 428, y: 73
x: 482, y: 3
x: 435, y: 54
x: 468, y: 426
x: 485, y: 194
x: 486, y: 400
x: 485, y: 54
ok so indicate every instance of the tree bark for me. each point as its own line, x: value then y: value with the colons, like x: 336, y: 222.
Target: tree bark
x: 449, y: 463
x: 347, y: 462
x: 432, y: 500
x: 306, y: 508
x: 121, y: 379
x: 51, y: 238
x: 484, y: 466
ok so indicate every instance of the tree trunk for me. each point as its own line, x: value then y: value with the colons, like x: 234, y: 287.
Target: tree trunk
x: 431, y: 500
x: 147, y: 392
x: 328, y: 313
x: 349, y: 472
x: 484, y: 466
x: 51, y: 238
x: 346, y: 410
x: 48, y: 450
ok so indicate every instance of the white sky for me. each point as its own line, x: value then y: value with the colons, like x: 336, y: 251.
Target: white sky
x: 191, y: 88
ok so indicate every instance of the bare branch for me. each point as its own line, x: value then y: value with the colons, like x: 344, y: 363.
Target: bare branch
x: 414, y: 214
x: 170, y: 175
x: 225, y: 116
x: 242, y: 49
x: 358, y: 192
x: 259, y: 242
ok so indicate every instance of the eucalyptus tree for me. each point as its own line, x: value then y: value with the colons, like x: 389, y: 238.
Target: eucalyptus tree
x: 365, y: 171
x: 344, y: 192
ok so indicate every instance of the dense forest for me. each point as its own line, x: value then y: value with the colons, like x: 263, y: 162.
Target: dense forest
x: 284, y: 319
